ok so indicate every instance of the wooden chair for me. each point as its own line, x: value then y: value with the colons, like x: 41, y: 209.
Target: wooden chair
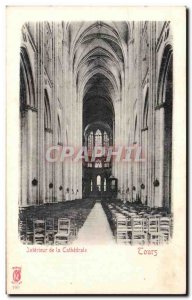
x: 39, y: 232
x: 154, y: 231
x: 22, y: 228
x: 49, y: 231
x: 73, y: 231
x: 63, y: 235
x: 29, y: 232
x: 165, y: 228
x: 139, y: 236
x: 129, y: 229
x: 132, y: 214
x: 122, y: 229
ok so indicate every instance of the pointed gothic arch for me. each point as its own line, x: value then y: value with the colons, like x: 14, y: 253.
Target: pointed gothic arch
x: 27, y: 88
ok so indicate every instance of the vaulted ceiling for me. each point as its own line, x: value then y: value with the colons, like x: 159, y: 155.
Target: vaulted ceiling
x: 98, y: 52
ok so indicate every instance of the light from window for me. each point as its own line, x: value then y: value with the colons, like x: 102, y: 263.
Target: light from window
x: 90, y: 142
x: 98, y: 138
x: 99, y: 182
x: 105, y: 185
x: 98, y: 164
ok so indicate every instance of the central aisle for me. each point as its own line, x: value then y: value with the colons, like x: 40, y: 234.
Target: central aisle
x: 96, y: 229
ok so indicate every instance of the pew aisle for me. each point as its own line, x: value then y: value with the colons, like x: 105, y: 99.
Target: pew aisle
x: 96, y: 229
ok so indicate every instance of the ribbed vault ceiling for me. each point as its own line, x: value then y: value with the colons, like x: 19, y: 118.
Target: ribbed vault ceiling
x: 97, y: 51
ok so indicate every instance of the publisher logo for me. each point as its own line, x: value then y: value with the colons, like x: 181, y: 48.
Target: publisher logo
x: 16, y: 277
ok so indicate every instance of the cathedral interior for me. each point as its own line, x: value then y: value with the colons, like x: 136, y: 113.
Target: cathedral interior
x: 104, y: 85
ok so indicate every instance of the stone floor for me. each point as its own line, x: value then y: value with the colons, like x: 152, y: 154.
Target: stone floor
x: 96, y: 229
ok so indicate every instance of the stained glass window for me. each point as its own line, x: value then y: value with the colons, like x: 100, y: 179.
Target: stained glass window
x: 98, y: 164
x: 98, y: 138
x: 90, y: 142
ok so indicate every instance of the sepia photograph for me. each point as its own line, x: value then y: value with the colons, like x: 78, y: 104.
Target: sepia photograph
x: 96, y: 161
x: 96, y: 101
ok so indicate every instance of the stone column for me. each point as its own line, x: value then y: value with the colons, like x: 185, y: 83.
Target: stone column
x: 40, y: 103
x: 152, y: 100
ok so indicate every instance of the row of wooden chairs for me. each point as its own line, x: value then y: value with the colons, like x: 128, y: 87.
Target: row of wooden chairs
x: 138, y: 230
x: 44, y: 231
x: 133, y: 228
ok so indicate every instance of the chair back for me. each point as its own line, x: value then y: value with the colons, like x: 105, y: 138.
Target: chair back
x: 121, y: 220
x: 165, y: 224
x: 153, y: 225
x: 49, y: 224
x: 64, y: 225
x: 138, y: 225
x: 39, y: 227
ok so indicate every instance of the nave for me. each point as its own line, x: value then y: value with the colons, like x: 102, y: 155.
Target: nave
x: 96, y: 230
x: 96, y: 103
x: 92, y: 222
x: 97, y: 85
